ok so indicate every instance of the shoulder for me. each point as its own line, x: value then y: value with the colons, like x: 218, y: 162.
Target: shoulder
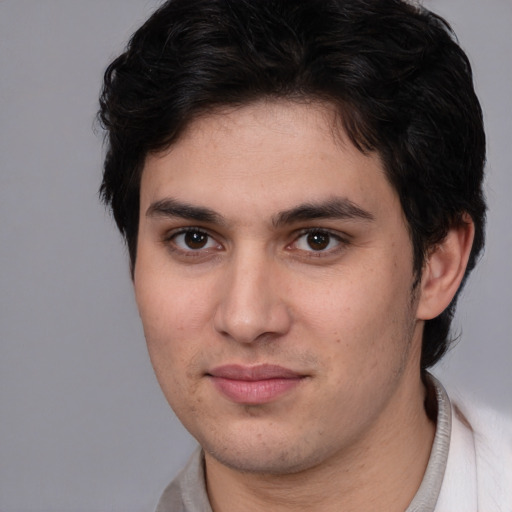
x: 478, y: 470
x: 491, y: 434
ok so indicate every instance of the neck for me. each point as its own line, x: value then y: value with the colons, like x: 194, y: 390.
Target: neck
x: 382, y: 472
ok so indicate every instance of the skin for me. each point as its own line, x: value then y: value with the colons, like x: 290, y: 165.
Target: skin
x: 248, y: 286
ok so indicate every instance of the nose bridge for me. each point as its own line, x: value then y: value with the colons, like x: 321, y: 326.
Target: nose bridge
x: 251, y: 305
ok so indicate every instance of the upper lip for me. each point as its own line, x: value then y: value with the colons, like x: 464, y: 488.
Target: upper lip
x: 253, y: 373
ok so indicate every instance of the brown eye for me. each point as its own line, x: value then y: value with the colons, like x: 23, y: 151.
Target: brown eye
x: 318, y: 241
x: 195, y: 239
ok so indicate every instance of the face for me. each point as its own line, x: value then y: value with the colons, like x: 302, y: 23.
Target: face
x: 274, y: 281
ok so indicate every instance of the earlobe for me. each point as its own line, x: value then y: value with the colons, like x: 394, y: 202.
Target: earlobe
x: 444, y: 269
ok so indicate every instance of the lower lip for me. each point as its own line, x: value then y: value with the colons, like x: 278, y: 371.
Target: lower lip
x: 254, y: 392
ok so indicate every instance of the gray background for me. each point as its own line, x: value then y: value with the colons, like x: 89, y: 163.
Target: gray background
x: 83, y: 424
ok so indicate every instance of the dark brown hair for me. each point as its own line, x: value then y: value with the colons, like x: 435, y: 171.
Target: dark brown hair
x: 401, y: 83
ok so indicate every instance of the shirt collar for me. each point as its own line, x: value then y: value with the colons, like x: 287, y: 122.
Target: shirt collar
x: 426, y: 497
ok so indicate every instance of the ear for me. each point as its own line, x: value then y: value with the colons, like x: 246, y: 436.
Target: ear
x: 444, y: 270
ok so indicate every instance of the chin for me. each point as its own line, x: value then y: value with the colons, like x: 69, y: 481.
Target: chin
x: 275, y: 455
x: 261, y: 462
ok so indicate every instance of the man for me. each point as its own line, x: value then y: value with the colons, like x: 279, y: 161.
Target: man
x: 299, y: 183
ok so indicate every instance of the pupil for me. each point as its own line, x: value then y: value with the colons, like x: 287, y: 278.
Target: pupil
x: 196, y: 239
x: 318, y: 241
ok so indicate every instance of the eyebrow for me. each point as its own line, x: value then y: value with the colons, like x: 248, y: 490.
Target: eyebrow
x: 172, y: 208
x: 334, y: 208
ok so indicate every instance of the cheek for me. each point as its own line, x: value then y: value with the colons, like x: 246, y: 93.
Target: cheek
x: 344, y: 304
x: 363, y: 319
x: 169, y: 305
x: 173, y: 322
x: 174, y: 317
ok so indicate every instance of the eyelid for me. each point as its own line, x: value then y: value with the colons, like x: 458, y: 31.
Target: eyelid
x: 342, y: 239
x: 169, y: 236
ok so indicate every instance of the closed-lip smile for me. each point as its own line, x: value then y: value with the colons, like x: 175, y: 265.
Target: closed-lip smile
x: 253, y: 385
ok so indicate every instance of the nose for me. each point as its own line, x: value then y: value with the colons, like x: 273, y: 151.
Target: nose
x: 251, y: 306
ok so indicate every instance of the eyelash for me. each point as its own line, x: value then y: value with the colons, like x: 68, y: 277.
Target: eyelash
x: 341, y: 242
x: 170, y: 241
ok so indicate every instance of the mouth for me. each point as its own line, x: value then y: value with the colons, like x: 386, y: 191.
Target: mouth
x: 253, y: 385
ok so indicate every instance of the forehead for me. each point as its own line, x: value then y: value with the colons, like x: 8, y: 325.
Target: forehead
x: 267, y: 156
